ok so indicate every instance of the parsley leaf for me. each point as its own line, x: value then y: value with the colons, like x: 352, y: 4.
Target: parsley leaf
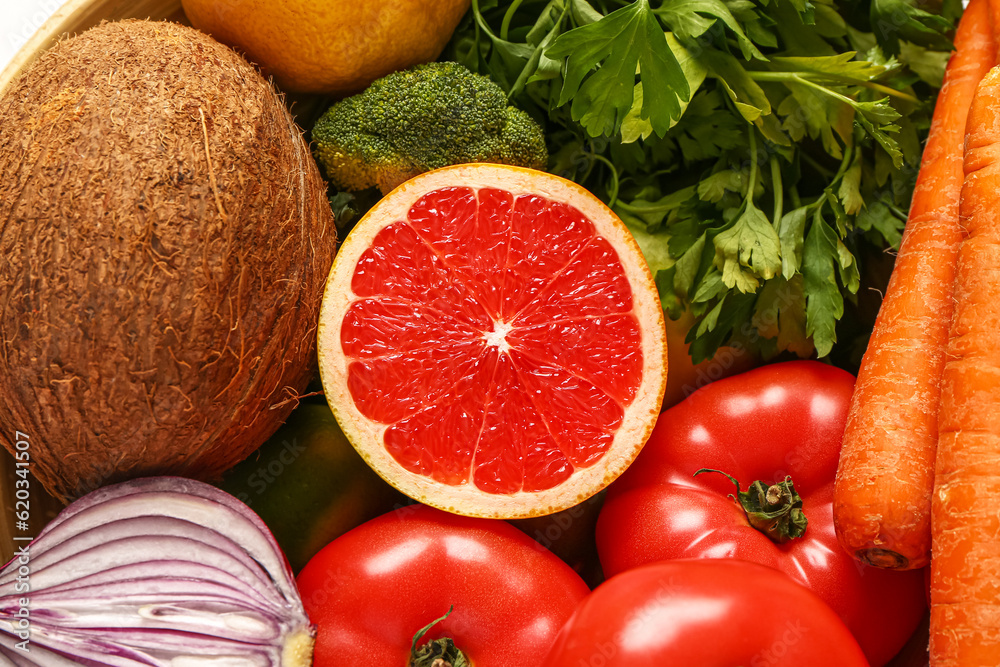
x: 666, y: 110
x: 850, y: 187
x: 713, y: 187
x: 635, y: 126
x: 893, y: 20
x: 879, y: 217
x: 616, y: 45
x: 708, y: 129
x: 791, y: 232
x: 839, y: 67
x: 748, y: 97
x: 876, y: 117
x: 685, y: 18
x: 748, y: 250
x: 824, y: 302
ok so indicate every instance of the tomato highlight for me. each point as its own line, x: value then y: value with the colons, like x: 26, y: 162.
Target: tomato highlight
x: 710, y: 613
x: 373, y: 589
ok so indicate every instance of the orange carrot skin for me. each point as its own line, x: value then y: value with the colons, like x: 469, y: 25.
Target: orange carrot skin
x: 882, y: 497
x: 965, y: 563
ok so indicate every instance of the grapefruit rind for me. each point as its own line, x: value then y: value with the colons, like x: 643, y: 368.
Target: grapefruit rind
x: 367, y: 436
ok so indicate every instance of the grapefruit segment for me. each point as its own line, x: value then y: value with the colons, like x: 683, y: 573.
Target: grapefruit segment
x: 387, y: 389
x: 399, y: 264
x: 581, y: 417
x: 469, y: 232
x: 439, y: 441
x: 603, y: 350
x: 545, y: 237
x: 491, y: 341
x: 516, y: 451
x: 383, y: 327
x: 592, y: 284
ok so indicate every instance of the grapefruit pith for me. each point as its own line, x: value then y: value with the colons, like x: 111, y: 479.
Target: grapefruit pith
x: 491, y: 341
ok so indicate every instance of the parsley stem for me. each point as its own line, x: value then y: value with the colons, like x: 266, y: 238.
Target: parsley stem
x: 889, y: 91
x: 793, y: 192
x: 475, y: 23
x: 804, y: 77
x: 823, y: 171
x: 901, y: 214
x: 828, y: 91
x: 778, y: 189
x: 753, y: 164
x: 613, y: 195
x: 532, y: 65
x: 823, y: 89
x: 480, y: 21
x: 670, y: 202
x: 507, y: 18
x: 844, y: 164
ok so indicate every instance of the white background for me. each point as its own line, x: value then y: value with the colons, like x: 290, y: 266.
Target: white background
x: 19, y: 19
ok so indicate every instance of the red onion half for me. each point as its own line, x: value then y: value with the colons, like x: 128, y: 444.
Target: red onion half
x: 154, y: 572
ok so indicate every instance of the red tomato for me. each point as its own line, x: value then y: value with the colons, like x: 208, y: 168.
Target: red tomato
x: 781, y: 420
x: 709, y: 613
x: 370, y: 590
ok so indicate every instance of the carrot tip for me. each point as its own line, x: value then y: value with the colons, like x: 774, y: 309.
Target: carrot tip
x: 883, y: 558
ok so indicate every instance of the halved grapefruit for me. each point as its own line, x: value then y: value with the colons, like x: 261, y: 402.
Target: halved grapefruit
x: 491, y: 341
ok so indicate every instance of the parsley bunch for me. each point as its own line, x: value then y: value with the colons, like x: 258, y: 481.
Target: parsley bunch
x: 761, y: 151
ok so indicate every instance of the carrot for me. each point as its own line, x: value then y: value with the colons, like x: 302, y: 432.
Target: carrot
x: 994, y: 11
x: 882, y: 497
x: 965, y: 514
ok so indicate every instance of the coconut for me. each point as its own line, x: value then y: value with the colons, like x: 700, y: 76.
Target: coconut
x: 164, y: 241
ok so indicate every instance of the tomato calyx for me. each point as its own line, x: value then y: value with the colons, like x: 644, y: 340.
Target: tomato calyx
x: 436, y: 652
x: 775, y: 510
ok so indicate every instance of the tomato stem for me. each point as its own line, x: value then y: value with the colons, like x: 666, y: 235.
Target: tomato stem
x: 436, y: 652
x: 775, y: 509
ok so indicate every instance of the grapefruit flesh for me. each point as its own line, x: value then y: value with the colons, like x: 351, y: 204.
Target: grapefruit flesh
x: 491, y: 341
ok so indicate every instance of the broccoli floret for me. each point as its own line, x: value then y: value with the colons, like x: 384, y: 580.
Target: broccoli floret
x: 419, y: 119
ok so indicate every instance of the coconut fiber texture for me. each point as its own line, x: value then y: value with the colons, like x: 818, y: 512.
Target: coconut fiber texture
x: 164, y: 242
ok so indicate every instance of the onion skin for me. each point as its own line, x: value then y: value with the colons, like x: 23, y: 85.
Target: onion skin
x: 153, y: 572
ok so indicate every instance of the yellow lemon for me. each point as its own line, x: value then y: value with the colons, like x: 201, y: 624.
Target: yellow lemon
x: 330, y: 46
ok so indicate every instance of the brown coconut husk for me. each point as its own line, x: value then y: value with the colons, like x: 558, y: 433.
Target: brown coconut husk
x: 164, y: 242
